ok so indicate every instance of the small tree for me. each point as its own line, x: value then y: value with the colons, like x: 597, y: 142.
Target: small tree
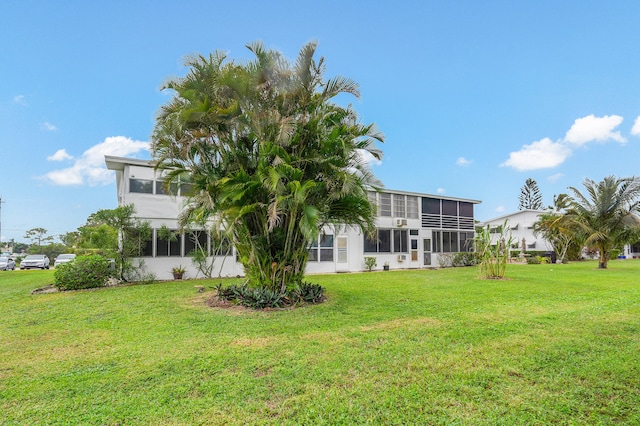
x: 37, y: 236
x: 530, y: 197
x: 133, y: 236
x: 554, y: 227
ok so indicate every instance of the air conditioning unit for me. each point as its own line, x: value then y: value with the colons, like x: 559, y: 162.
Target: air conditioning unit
x: 402, y: 257
x: 401, y: 222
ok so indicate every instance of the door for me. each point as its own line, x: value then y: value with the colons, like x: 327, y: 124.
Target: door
x: 426, y: 252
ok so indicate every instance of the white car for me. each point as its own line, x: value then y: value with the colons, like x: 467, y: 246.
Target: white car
x: 7, y: 263
x: 63, y: 258
x: 39, y: 261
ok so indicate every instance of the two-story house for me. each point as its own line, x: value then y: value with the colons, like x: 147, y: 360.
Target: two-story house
x: 412, y: 228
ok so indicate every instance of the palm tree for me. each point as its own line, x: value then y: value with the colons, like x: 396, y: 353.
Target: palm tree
x: 554, y: 227
x: 607, y: 216
x: 270, y: 157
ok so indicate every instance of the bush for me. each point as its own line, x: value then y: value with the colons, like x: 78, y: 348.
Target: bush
x: 466, y: 259
x: 370, y: 263
x: 84, y: 272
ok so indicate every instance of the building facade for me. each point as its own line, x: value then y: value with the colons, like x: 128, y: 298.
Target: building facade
x: 520, y: 226
x: 412, y: 229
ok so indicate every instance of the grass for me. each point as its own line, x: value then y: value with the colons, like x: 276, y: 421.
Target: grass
x: 551, y: 345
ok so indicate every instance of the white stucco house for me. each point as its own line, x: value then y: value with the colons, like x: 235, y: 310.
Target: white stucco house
x: 520, y: 227
x: 412, y: 229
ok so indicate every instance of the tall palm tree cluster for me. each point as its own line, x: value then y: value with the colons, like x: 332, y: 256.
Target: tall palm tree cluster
x: 604, y: 218
x: 269, y: 155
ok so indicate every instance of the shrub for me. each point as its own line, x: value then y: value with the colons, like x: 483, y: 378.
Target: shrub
x: 311, y: 293
x: 465, y: 259
x: 84, y: 272
x: 445, y: 260
x: 370, y: 263
x: 262, y: 297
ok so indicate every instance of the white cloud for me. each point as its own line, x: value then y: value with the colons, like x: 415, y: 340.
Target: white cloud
x: 90, y: 168
x: 20, y: 100
x: 463, y: 162
x: 635, y: 130
x: 555, y: 177
x: 592, y: 128
x: 60, y: 155
x: 441, y: 190
x: 500, y: 209
x: 48, y: 127
x: 543, y: 154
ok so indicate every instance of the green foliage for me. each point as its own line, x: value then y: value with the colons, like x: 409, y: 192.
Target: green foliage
x: 37, y: 236
x: 543, y: 260
x: 466, y: 259
x: 533, y: 260
x: 530, y: 197
x: 607, y: 216
x: 133, y: 236
x: 310, y: 292
x: 493, y: 253
x: 445, y: 260
x: 263, y: 297
x: 370, y: 262
x: 270, y: 157
x: 84, y: 272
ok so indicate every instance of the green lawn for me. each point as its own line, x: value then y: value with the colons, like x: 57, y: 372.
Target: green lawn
x: 552, y: 345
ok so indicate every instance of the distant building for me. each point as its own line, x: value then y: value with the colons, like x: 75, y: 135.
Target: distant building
x: 520, y: 227
x: 413, y: 229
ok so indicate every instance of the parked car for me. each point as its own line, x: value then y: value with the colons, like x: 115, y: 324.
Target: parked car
x: 63, y: 258
x: 39, y: 261
x: 7, y: 263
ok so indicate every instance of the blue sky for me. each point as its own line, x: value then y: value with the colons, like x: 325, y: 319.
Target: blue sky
x: 474, y: 97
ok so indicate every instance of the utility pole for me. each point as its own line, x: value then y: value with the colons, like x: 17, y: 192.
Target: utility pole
x: 1, y: 203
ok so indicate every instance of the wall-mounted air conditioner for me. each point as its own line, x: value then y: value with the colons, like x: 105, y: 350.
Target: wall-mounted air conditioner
x: 401, y: 222
x: 402, y: 257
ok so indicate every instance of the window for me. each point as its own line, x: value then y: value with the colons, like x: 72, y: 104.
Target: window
x: 430, y: 206
x: 400, y: 241
x: 381, y: 242
x: 412, y: 207
x: 385, y: 239
x: 186, y: 190
x: 437, y: 241
x: 342, y: 249
x: 385, y: 205
x: 168, y: 245
x: 162, y: 190
x: 326, y: 248
x: 466, y: 209
x: 322, y: 249
x: 398, y: 206
x: 452, y: 241
x: 449, y: 242
x: 466, y: 241
x: 141, y: 186
x: 195, y: 240
x: 413, y: 232
x: 449, y: 208
x: 221, y: 246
